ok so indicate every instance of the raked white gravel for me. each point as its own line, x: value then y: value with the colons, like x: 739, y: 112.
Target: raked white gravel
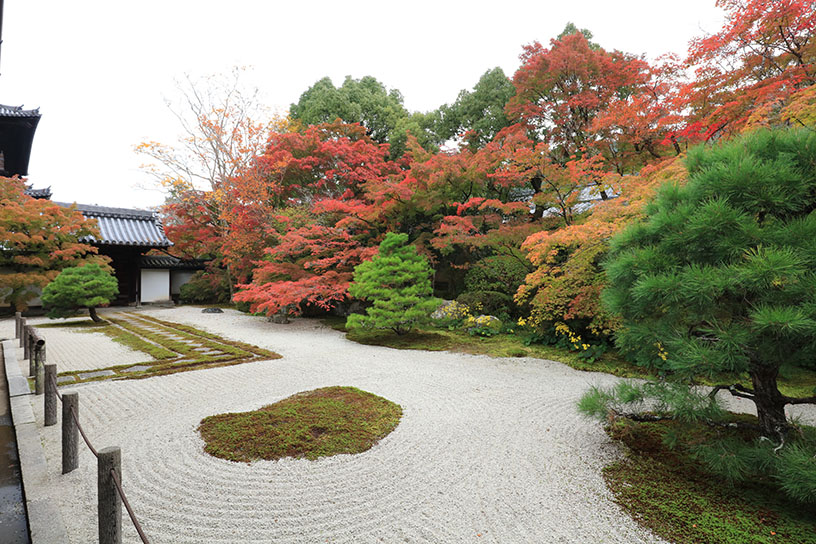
x: 488, y: 450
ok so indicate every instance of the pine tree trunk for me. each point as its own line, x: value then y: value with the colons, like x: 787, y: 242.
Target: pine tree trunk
x: 770, y: 404
x: 95, y: 317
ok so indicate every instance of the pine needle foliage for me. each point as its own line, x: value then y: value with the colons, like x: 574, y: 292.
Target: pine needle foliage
x: 719, y: 280
x: 397, y: 281
x: 78, y: 287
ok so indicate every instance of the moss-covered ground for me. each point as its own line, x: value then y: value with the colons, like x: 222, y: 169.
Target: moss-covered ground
x: 312, y: 424
x: 669, y: 492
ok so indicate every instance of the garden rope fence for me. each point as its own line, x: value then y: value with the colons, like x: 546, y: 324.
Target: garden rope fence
x: 111, y: 494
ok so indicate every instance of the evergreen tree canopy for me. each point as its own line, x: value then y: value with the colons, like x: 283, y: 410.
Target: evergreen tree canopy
x: 77, y: 287
x: 398, y: 283
x: 720, y: 278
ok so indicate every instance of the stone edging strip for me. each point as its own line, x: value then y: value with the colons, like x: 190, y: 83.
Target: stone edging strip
x: 45, y: 521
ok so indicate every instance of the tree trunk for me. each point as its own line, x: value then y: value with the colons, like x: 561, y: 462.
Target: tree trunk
x: 770, y: 404
x: 95, y: 317
x: 229, y: 282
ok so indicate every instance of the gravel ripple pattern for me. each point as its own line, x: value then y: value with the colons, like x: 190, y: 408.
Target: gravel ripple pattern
x: 488, y: 450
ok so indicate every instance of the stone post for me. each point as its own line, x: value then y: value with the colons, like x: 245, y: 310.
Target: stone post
x: 17, y: 317
x: 50, y: 395
x: 70, y: 432
x: 109, y: 501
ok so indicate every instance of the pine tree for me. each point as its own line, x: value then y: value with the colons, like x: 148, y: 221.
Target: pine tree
x: 397, y: 280
x: 720, y: 279
x: 77, y: 287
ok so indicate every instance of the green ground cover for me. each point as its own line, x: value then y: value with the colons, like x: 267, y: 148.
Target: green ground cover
x: 669, y: 492
x: 312, y: 424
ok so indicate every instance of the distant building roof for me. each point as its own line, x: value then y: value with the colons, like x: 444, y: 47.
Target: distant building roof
x: 18, y: 111
x: 124, y: 227
x: 168, y: 261
x: 39, y: 193
x: 17, y: 127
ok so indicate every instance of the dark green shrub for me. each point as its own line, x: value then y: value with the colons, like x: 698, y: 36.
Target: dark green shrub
x: 205, y: 287
x: 488, y: 302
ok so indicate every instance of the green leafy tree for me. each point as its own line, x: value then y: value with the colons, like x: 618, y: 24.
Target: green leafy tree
x: 398, y: 283
x: 719, y: 280
x: 365, y: 101
x: 479, y: 112
x: 78, y: 287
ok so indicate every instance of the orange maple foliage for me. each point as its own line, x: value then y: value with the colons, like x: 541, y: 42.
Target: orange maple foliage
x: 764, y: 54
x: 39, y: 238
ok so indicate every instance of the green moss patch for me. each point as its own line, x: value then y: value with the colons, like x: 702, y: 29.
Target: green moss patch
x: 319, y: 423
x: 670, y: 493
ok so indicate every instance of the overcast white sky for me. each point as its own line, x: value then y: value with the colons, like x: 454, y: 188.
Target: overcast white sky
x: 99, y: 70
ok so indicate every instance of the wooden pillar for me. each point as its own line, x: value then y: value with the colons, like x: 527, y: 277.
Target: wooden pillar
x: 22, y: 331
x: 109, y: 501
x: 70, y: 432
x: 39, y: 371
x: 50, y: 395
x: 17, y: 317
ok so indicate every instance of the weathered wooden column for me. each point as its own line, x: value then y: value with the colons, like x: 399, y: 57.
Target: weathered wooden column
x: 50, y: 395
x: 17, y: 317
x: 70, y: 432
x: 27, y: 342
x: 22, y: 331
x: 39, y: 371
x: 109, y: 501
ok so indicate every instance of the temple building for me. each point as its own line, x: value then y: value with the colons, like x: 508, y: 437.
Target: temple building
x: 126, y: 236
x: 17, y: 127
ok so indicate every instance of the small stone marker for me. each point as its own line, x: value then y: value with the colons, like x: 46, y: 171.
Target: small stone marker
x: 137, y: 368
x: 212, y: 311
x: 96, y: 374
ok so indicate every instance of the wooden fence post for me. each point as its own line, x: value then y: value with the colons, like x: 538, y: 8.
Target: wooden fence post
x: 22, y: 331
x: 17, y: 317
x: 39, y: 371
x: 109, y: 501
x: 70, y: 432
x: 50, y: 395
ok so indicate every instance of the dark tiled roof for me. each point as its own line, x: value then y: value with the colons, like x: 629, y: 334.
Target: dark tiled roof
x: 167, y: 261
x: 39, y: 193
x: 125, y: 227
x: 18, y: 111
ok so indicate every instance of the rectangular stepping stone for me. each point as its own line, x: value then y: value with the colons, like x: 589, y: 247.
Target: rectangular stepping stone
x: 66, y: 379
x: 96, y: 374
x: 136, y: 368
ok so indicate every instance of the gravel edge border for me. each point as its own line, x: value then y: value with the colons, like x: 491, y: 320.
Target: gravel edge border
x: 45, y: 523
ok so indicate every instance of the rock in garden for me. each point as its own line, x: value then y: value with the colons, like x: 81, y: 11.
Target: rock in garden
x: 212, y: 311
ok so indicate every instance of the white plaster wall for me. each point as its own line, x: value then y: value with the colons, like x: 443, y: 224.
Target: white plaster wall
x: 179, y: 278
x: 155, y: 285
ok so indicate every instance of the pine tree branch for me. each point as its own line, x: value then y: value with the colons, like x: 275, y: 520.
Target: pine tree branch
x: 736, y: 390
x: 801, y: 400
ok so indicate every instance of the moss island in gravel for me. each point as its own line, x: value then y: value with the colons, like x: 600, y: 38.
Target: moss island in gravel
x: 311, y: 424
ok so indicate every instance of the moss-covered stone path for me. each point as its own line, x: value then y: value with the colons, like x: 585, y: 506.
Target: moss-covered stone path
x: 172, y: 347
